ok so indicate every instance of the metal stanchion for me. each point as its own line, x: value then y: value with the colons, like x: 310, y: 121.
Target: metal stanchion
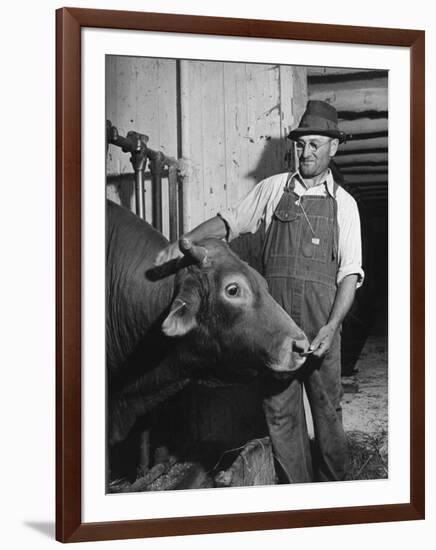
x: 135, y: 144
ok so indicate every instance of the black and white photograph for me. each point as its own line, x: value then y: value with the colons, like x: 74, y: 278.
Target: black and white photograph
x: 246, y: 274
x: 216, y: 310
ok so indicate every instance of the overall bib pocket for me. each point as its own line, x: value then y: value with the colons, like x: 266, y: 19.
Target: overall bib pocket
x: 285, y: 234
x: 317, y: 245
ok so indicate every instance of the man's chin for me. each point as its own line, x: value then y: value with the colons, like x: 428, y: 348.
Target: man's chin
x: 308, y: 172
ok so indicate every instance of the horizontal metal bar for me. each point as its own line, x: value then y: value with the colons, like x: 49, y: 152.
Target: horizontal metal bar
x: 114, y: 178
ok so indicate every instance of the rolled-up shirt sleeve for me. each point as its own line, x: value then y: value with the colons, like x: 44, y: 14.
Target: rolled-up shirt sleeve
x: 350, y: 242
x: 248, y: 214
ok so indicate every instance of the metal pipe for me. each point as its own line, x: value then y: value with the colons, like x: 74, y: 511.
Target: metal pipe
x: 136, y: 144
x: 139, y: 194
x: 138, y: 158
x: 172, y: 201
x: 156, y: 169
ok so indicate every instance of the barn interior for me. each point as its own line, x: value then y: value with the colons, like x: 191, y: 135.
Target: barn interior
x: 213, y: 130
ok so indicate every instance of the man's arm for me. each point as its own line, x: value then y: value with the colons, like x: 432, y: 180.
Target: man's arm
x: 244, y: 218
x: 350, y: 241
x: 350, y: 273
x: 213, y: 227
x: 343, y: 301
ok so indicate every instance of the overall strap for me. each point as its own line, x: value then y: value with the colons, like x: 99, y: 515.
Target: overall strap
x: 290, y: 183
x: 335, y: 222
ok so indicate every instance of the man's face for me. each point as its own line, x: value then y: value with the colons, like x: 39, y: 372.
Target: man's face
x: 314, y: 153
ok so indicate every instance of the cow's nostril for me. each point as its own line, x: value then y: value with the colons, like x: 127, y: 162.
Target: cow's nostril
x: 300, y: 346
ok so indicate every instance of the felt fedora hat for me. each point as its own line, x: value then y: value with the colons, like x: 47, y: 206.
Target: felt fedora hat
x: 319, y: 119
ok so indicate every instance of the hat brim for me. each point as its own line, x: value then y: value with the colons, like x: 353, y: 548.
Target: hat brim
x: 299, y: 132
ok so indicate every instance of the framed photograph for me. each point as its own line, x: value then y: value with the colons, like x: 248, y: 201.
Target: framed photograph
x: 240, y: 275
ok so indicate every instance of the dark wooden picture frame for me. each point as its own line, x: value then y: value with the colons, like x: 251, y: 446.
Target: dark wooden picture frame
x: 69, y: 525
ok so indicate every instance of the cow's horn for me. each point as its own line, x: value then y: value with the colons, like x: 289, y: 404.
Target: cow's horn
x: 197, y: 253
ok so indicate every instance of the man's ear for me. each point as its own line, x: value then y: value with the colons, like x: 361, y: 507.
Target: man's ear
x: 334, y: 144
x: 181, y: 318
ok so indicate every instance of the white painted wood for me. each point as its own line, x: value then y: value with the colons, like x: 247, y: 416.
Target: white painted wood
x: 263, y: 129
x: 167, y: 116
x: 363, y: 125
x: 300, y: 94
x: 287, y: 114
x: 185, y: 107
x: 192, y: 103
x: 356, y: 100
x: 237, y: 128
x: 299, y: 103
x: 234, y: 121
x: 112, y: 193
x: 361, y: 157
x: 362, y: 144
x: 323, y: 71
x: 214, y: 139
x: 349, y: 85
x: 140, y: 96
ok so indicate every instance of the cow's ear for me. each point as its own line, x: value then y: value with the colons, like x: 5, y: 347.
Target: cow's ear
x: 180, y: 319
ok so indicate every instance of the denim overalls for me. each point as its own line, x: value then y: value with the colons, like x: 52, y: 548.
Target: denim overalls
x: 300, y: 265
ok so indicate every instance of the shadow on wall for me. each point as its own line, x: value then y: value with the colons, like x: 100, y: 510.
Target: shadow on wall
x: 277, y: 157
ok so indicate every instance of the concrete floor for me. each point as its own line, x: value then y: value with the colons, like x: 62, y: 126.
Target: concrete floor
x: 365, y: 400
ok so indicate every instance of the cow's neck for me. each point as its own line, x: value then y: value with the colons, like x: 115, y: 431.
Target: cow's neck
x: 146, y: 309
x: 138, y: 306
x: 141, y: 343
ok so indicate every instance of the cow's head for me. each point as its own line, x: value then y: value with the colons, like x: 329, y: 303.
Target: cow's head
x: 223, y: 308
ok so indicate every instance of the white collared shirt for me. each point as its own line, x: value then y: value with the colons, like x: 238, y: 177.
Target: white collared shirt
x: 262, y: 200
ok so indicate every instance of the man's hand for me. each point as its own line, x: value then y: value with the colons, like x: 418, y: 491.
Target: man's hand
x: 323, y: 340
x: 170, y: 252
x: 213, y: 227
x: 343, y: 300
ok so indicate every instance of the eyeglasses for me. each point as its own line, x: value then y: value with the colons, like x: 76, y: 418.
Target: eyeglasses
x: 313, y: 146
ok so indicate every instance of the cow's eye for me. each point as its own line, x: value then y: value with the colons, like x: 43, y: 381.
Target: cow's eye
x: 233, y: 290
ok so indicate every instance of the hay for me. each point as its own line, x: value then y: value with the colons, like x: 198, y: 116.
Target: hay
x: 368, y: 455
x: 253, y: 465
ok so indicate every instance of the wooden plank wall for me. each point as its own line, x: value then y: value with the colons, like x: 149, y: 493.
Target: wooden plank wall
x: 361, y: 99
x: 234, y: 118
x: 140, y: 96
x: 238, y: 117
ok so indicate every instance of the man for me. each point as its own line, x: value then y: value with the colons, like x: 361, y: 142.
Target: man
x: 312, y: 262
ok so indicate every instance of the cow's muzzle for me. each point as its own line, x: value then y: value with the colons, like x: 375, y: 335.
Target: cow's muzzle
x: 291, y: 356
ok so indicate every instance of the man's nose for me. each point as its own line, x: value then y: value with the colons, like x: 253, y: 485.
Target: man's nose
x: 307, y: 150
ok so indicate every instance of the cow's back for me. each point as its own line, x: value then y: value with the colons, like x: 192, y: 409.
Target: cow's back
x: 135, y: 238
x: 133, y: 302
